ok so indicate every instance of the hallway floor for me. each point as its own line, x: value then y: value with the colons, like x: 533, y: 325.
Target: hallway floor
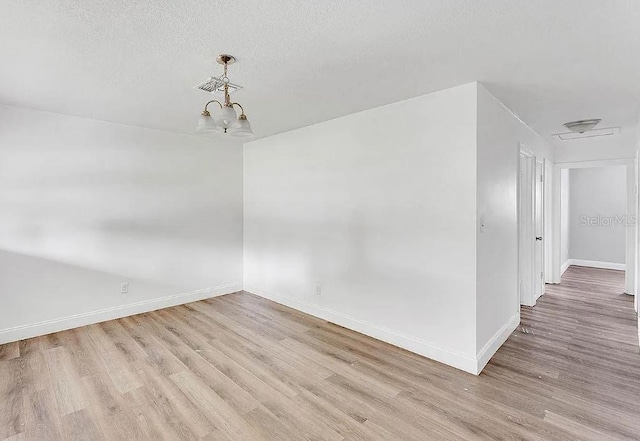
x: 576, y: 355
x: 239, y: 367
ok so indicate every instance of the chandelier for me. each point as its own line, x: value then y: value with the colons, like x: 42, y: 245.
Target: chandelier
x: 223, y: 120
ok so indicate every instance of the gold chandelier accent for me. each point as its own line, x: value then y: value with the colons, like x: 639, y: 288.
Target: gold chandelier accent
x: 224, y: 120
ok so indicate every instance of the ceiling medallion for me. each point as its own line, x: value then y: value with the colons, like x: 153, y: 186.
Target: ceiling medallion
x: 224, y: 120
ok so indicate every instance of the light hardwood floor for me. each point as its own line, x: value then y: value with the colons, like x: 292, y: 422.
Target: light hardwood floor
x: 239, y: 367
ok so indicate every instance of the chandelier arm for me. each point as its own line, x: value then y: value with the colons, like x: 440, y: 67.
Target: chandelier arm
x: 212, y: 101
x: 241, y: 108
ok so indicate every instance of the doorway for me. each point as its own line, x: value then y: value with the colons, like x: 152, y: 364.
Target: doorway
x: 596, y: 218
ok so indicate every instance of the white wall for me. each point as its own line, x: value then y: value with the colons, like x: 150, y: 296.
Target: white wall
x: 598, y: 205
x: 564, y: 218
x: 622, y: 146
x: 370, y: 221
x: 379, y: 208
x: 87, y: 205
x: 500, y: 134
x: 635, y: 268
x: 377, y: 229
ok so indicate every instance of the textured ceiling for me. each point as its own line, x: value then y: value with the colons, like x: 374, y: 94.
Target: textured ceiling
x: 135, y: 62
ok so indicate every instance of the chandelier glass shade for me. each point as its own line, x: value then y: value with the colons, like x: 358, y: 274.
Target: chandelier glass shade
x: 244, y: 130
x: 223, y: 119
x: 206, y: 124
x: 226, y: 118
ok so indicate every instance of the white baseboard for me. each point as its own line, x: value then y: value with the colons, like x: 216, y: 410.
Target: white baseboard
x: 598, y: 264
x: 526, y: 302
x: 88, y: 318
x: 492, y: 346
x: 565, y: 266
x: 408, y: 342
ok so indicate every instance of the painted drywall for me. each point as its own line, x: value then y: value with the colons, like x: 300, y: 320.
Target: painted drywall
x: 597, y: 209
x: 631, y: 230
x: 370, y: 221
x: 620, y: 146
x: 88, y: 205
x: 347, y: 220
x: 564, y: 219
x: 500, y: 135
x: 636, y: 249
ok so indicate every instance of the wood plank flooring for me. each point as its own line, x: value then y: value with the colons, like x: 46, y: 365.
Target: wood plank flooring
x: 239, y: 367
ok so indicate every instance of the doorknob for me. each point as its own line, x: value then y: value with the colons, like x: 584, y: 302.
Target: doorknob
x: 539, y: 238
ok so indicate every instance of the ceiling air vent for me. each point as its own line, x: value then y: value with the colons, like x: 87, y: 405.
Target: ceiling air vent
x: 569, y: 136
x: 216, y: 84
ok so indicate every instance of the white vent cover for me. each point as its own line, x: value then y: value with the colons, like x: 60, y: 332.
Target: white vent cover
x: 569, y: 136
x: 216, y: 84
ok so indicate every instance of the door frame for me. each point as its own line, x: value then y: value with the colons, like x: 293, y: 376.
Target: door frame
x: 526, y: 226
x: 632, y: 210
x: 539, y: 275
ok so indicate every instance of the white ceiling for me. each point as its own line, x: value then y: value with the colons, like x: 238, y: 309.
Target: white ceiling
x: 302, y: 62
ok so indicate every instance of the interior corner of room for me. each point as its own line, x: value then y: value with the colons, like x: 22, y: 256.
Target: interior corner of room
x: 427, y: 219
x: 296, y: 217
x: 319, y: 220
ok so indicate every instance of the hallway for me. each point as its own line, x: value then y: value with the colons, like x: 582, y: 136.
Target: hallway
x: 576, y: 356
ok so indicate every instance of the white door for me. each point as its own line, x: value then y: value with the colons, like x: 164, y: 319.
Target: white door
x: 538, y: 269
x: 526, y: 228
